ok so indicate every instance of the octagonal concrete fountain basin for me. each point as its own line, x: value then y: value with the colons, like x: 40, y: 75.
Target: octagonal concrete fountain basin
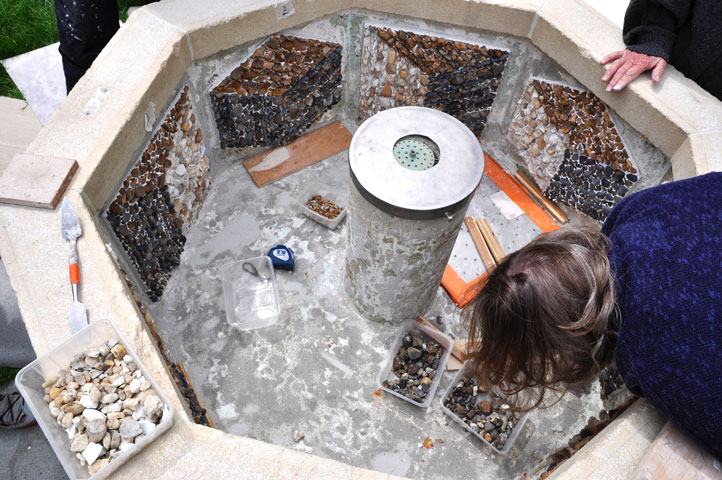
x: 182, y: 112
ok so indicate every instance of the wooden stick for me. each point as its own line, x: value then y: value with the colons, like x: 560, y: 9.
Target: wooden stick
x: 480, y: 244
x: 458, y: 350
x: 537, y: 194
x: 488, y: 234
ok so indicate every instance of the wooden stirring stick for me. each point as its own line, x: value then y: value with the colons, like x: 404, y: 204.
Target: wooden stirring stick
x: 488, y: 234
x: 480, y: 244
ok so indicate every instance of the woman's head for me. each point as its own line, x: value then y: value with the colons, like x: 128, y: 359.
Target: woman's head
x: 541, y: 321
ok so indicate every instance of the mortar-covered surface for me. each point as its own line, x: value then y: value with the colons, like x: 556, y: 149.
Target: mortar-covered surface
x: 315, y: 371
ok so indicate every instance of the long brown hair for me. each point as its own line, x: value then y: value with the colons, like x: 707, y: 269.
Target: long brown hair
x: 542, y: 322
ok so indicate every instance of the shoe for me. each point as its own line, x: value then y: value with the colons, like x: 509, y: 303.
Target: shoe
x: 14, y: 413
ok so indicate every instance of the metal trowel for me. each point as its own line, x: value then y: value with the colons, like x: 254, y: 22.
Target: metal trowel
x: 71, y: 231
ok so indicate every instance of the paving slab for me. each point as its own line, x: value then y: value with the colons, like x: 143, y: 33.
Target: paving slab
x: 39, y: 76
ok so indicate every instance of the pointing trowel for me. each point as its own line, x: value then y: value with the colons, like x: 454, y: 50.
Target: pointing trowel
x: 71, y: 231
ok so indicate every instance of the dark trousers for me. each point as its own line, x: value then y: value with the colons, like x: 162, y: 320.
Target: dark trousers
x: 85, y: 27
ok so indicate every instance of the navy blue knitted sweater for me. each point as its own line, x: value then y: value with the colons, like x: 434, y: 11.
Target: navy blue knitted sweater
x: 667, y: 260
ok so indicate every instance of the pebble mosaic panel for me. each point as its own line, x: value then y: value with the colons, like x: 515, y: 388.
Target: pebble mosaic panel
x: 591, y: 187
x: 161, y: 195
x: 404, y: 68
x: 559, y: 130
x: 278, y: 92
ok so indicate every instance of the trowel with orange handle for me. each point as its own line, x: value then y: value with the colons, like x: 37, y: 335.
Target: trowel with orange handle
x: 71, y: 231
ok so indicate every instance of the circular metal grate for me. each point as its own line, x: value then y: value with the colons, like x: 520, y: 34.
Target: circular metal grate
x: 416, y: 152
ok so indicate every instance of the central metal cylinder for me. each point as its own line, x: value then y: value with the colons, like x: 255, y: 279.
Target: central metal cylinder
x: 413, y: 171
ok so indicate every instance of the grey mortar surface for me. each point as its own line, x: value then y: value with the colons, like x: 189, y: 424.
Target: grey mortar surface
x: 315, y: 371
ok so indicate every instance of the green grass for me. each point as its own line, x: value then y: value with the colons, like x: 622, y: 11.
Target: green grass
x: 7, y: 374
x: 26, y: 25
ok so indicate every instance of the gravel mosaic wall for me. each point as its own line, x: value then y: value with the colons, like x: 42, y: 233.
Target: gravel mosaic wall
x: 161, y: 195
x: 404, y: 68
x: 571, y: 147
x: 278, y: 92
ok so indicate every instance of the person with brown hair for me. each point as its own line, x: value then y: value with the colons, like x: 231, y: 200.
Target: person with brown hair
x: 645, y: 291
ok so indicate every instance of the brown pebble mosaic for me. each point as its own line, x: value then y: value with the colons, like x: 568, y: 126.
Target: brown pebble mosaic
x: 401, y: 68
x: 161, y: 195
x: 551, y: 123
x: 278, y: 92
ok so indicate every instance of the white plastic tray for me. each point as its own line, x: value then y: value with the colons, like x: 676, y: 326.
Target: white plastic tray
x: 387, y: 371
x: 480, y: 397
x: 328, y: 194
x: 250, y: 294
x: 30, y: 379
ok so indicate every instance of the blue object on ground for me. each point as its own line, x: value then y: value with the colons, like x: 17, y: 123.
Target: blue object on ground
x: 281, y: 257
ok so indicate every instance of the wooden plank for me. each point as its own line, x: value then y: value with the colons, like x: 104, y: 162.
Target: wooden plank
x: 311, y: 148
x: 537, y: 194
x: 35, y: 180
x: 518, y: 195
x: 491, y: 241
x: 480, y: 244
x: 675, y: 456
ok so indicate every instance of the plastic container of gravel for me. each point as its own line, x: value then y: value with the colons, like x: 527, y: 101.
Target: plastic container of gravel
x: 30, y: 379
x: 482, y: 396
x: 387, y: 373
x: 328, y: 194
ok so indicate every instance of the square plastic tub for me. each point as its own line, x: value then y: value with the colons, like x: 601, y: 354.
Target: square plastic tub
x: 387, y: 371
x: 249, y: 291
x: 328, y: 194
x: 480, y: 397
x: 30, y: 379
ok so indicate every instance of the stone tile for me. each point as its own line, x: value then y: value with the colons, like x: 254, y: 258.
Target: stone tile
x: 505, y: 16
x: 20, y: 125
x: 220, y: 25
x: 39, y: 75
x: 699, y: 154
x: 632, y: 433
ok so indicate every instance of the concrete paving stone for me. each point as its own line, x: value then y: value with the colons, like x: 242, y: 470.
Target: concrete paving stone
x: 700, y: 153
x: 512, y: 17
x: 39, y: 76
x: 223, y: 24
x: 20, y: 125
x: 15, y: 347
x: 625, y: 441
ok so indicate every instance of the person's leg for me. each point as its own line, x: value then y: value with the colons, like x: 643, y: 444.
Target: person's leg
x: 85, y: 27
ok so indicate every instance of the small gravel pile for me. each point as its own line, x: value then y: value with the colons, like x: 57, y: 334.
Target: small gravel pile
x: 104, y: 404
x: 325, y: 208
x: 470, y: 404
x: 415, y: 366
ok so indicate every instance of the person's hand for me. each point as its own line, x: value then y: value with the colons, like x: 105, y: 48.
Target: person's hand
x: 628, y: 65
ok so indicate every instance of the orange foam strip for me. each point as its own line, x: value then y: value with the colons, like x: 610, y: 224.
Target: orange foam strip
x: 518, y: 195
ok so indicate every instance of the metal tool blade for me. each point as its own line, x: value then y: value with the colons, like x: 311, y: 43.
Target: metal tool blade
x: 69, y: 221
x: 78, y: 317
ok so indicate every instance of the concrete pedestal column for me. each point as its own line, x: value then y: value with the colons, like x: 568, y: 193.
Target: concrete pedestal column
x: 414, y: 171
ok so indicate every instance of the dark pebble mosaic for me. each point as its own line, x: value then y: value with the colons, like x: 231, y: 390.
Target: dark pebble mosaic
x: 278, y: 93
x: 153, y: 203
x: 589, y: 186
